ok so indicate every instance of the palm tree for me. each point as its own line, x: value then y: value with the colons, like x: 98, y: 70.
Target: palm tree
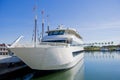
x: 108, y: 43
x: 105, y: 43
x: 111, y: 42
x: 101, y: 43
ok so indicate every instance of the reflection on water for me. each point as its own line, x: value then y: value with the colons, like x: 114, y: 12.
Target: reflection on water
x: 75, y: 73
x: 103, y: 55
x: 102, y: 66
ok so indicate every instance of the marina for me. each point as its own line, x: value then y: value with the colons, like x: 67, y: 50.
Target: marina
x: 102, y: 48
x: 59, y: 40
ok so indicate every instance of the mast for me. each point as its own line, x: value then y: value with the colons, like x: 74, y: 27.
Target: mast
x: 47, y: 22
x: 35, y: 24
x: 35, y: 32
x: 42, y: 23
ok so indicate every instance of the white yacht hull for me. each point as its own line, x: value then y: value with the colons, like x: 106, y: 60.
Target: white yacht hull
x: 49, y: 58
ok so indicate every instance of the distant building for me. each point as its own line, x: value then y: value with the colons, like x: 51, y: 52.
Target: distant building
x: 3, y: 49
x: 6, y: 56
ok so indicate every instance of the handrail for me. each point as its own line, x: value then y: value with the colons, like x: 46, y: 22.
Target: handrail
x: 41, y: 44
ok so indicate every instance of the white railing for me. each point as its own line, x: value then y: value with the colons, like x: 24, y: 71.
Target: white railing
x: 41, y: 44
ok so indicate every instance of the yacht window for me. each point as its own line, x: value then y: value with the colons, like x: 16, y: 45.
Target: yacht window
x: 61, y: 41
x: 59, y: 32
x: 50, y: 33
x: 55, y: 32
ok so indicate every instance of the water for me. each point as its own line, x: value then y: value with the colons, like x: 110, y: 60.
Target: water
x: 102, y: 66
x: 94, y: 66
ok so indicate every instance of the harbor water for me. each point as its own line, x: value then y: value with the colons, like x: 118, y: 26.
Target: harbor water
x: 94, y: 66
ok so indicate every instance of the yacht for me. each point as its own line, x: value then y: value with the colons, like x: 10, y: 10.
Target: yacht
x: 60, y: 49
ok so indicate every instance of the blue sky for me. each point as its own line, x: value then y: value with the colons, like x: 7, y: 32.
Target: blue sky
x: 95, y: 20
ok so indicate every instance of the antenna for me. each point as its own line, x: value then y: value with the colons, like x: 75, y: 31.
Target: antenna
x: 42, y: 12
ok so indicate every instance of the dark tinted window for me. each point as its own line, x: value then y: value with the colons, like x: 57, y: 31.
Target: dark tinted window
x: 59, y: 32
x: 63, y: 41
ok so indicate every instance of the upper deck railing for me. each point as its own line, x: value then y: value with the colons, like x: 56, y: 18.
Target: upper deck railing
x: 42, y: 44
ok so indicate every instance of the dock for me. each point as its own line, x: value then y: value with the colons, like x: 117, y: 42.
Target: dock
x: 7, y: 71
